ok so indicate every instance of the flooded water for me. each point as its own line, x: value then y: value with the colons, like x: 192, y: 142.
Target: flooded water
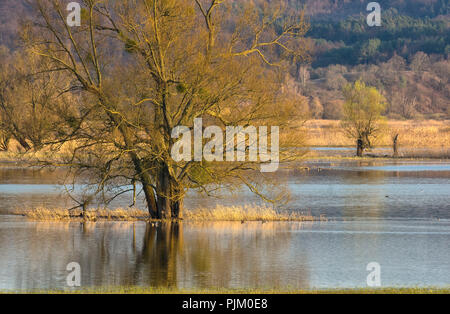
x: 394, y: 213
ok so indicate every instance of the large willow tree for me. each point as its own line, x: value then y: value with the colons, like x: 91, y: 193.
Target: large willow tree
x: 136, y: 69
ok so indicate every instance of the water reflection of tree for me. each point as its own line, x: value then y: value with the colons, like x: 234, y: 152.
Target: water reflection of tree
x: 157, y: 261
x: 182, y: 255
x: 364, y: 202
x: 216, y: 255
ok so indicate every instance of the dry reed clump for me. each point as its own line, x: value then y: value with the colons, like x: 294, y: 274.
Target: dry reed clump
x: 220, y: 213
x: 246, y: 213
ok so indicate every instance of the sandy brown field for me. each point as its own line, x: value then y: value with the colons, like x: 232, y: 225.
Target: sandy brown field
x: 413, y: 134
x: 417, y: 139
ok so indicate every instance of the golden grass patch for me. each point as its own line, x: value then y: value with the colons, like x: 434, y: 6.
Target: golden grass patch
x: 47, y: 214
x: 246, y: 213
x: 412, y: 134
x: 220, y: 213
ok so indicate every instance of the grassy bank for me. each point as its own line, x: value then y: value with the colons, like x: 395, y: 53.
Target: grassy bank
x: 150, y: 290
x: 220, y: 213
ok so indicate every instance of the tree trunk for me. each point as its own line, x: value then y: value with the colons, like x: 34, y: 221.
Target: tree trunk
x: 151, y: 201
x: 143, y: 175
x: 359, y: 148
x: 170, y: 196
x: 146, y: 186
x: 177, y: 209
x: 395, y: 146
x: 164, y: 193
x: 161, y: 206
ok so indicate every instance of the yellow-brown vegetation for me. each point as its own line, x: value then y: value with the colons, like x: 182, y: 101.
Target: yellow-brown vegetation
x: 412, y: 134
x: 220, y: 213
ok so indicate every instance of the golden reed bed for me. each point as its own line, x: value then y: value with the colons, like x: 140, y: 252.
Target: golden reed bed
x: 417, y: 139
x: 220, y: 213
x: 412, y: 134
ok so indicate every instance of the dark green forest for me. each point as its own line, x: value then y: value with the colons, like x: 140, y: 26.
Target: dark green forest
x: 353, y: 42
x: 406, y: 58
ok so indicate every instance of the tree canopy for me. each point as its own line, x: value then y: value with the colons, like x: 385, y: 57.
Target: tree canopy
x: 135, y: 70
x: 363, y: 110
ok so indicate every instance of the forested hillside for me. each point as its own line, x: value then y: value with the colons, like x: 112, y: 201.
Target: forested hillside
x: 407, y: 58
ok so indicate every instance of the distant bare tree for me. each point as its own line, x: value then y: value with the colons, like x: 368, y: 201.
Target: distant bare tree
x: 303, y: 74
x: 26, y: 90
x: 420, y: 62
x: 316, y: 108
x: 333, y: 109
x: 404, y: 103
x: 335, y: 80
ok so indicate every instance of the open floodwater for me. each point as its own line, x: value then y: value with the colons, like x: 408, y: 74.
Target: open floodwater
x: 396, y: 214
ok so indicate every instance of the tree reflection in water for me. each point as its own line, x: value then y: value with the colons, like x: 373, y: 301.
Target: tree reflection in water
x: 177, y: 255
